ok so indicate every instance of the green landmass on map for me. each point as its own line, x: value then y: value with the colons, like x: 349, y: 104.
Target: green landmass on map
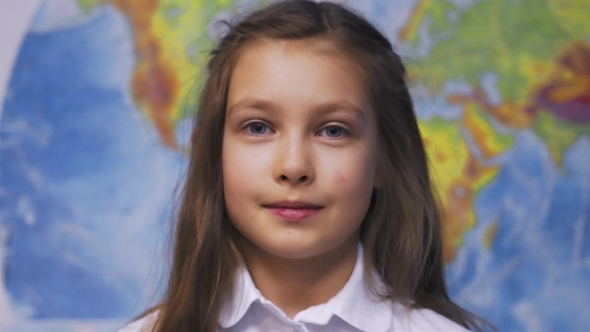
x: 88, y: 5
x: 525, y: 45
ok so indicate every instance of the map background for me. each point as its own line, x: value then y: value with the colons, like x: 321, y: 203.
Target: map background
x: 83, y: 229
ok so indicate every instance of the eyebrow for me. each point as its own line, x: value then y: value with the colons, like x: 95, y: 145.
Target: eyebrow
x: 323, y: 108
x: 259, y: 104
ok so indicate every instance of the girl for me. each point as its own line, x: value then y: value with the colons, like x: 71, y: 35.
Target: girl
x: 308, y: 205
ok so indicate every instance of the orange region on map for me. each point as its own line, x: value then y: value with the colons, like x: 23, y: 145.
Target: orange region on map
x: 508, y: 113
x: 566, y: 92
x: 490, y: 234
x: 414, y: 22
x: 155, y: 85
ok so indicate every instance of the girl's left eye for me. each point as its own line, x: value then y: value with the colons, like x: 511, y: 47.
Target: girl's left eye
x: 333, y: 132
x: 257, y: 128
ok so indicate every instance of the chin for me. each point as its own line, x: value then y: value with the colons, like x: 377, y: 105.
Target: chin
x: 291, y: 249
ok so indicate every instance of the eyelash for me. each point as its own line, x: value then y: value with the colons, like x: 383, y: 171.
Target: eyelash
x: 342, y: 129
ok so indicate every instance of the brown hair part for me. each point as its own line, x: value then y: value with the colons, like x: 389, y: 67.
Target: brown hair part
x: 401, y: 233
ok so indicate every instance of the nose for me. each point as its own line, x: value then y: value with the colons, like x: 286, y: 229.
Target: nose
x: 294, y: 164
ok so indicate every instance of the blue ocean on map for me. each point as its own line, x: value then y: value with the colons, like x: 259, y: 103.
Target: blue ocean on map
x: 86, y: 184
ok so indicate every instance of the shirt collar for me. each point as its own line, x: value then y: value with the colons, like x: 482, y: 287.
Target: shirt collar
x: 354, y: 303
x: 245, y: 293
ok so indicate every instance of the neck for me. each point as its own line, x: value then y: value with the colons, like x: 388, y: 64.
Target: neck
x: 294, y: 285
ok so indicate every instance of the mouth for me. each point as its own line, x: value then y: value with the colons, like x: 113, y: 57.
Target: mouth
x: 293, y: 210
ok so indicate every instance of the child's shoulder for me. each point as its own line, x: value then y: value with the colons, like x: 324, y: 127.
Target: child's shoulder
x: 144, y: 324
x: 405, y: 319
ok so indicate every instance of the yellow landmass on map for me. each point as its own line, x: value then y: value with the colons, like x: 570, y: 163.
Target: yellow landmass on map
x: 487, y: 140
x: 182, y: 27
x: 457, y: 177
x: 457, y: 174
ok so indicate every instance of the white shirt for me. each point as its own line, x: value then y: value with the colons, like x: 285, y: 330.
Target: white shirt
x: 354, y: 308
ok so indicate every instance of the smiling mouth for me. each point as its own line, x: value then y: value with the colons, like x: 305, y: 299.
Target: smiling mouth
x: 293, y: 210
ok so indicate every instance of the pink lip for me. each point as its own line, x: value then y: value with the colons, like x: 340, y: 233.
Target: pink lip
x: 293, y: 210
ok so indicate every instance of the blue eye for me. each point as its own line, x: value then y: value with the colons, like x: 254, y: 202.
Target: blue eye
x: 334, y: 131
x: 257, y: 128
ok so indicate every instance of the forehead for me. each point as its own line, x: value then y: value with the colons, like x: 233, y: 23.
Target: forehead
x: 314, y: 48
x: 296, y: 73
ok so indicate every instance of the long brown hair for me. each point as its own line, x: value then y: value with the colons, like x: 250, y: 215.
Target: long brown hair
x: 401, y: 233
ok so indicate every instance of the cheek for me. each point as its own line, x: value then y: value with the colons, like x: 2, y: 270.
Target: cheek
x: 350, y: 186
x: 244, y: 170
x: 339, y: 179
x: 351, y: 173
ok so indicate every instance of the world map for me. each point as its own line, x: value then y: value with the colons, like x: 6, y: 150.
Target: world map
x: 94, y: 135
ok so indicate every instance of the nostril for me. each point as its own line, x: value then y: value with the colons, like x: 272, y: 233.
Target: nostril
x: 303, y: 178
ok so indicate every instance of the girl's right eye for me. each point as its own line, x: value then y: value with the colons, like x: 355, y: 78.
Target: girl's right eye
x: 257, y: 128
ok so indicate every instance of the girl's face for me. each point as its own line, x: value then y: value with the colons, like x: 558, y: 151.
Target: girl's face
x: 299, y: 149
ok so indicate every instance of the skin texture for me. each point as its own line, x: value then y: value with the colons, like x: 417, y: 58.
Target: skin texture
x: 282, y: 142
